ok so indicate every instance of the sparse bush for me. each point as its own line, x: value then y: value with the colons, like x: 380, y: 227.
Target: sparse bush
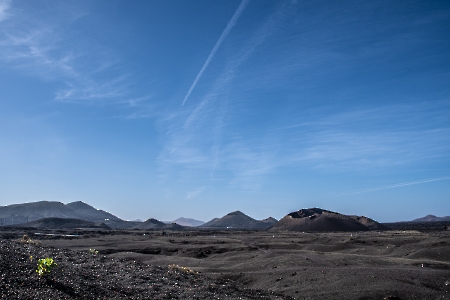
x: 45, y: 265
x: 187, y: 270
x: 26, y: 239
x: 93, y: 251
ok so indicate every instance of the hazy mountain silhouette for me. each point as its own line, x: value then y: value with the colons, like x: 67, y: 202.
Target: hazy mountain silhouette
x: 316, y: 219
x: 432, y: 218
x: 187, y: 222
x: 238, y: 220
x: 63, y: 223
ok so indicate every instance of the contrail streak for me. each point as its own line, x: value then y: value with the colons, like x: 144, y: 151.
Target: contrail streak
x: 393, y: 186
x: 224, y: 34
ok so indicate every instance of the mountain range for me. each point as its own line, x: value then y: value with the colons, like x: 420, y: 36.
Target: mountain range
x: 52, y: 214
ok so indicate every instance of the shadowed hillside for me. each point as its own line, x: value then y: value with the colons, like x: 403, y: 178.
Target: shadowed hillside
x: 62, y: 223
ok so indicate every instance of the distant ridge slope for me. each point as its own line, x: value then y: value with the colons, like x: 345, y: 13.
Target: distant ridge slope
x: 316, y: 219
x: 27, y: 212
x: 238, y: 220
x: 87, y: 212
x: 432, y: 218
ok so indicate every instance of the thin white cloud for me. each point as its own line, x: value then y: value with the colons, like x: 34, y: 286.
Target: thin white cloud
x: 330, y: 138
x: 195, y: 193
x: 224, y: 80
x: 87, y: 71
x: 384, y: 137
x: 4, y: 6
x: 393, y: 186
x: 222, y: 37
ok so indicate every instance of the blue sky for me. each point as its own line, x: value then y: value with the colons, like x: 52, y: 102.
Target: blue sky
x: 198, y: 108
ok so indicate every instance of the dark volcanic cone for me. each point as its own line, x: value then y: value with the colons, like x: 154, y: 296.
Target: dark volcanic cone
x: 238, y: 220
x: 155, y: 224
x: 316, y: 219
x: 270, y: 221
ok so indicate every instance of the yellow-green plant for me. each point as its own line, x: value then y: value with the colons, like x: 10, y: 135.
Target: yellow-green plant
x: 45, y: 266
x: 93, y: 251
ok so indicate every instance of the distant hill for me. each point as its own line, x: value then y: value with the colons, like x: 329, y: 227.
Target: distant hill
x: 270, y: 221
x: 63, y: 223
x: 155, y: 224
x: 316, y: 219
x: 432, y: 218
x: 187, y: 222
x: 27, y: 212
x: 238, y: 220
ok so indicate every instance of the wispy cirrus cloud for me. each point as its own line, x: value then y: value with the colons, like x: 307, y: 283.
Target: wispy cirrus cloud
x: 211, y: 133
x: 372, y: 137
x: 397, y: 185
x: 188, y: 146
x: 194, y: 193
x: 45, y: 48
x: 200, y: 142
x: 380, y: 138
x: 224, y: 34
x: 224, y: 80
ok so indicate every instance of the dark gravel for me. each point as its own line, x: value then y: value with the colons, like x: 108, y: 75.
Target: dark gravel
x: 82, y: 275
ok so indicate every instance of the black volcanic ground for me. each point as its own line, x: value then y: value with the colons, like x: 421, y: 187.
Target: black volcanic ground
x: 309, y: 254
x: 134, y: 264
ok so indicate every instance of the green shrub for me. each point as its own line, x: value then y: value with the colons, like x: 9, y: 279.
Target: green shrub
x: 45, y: 266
